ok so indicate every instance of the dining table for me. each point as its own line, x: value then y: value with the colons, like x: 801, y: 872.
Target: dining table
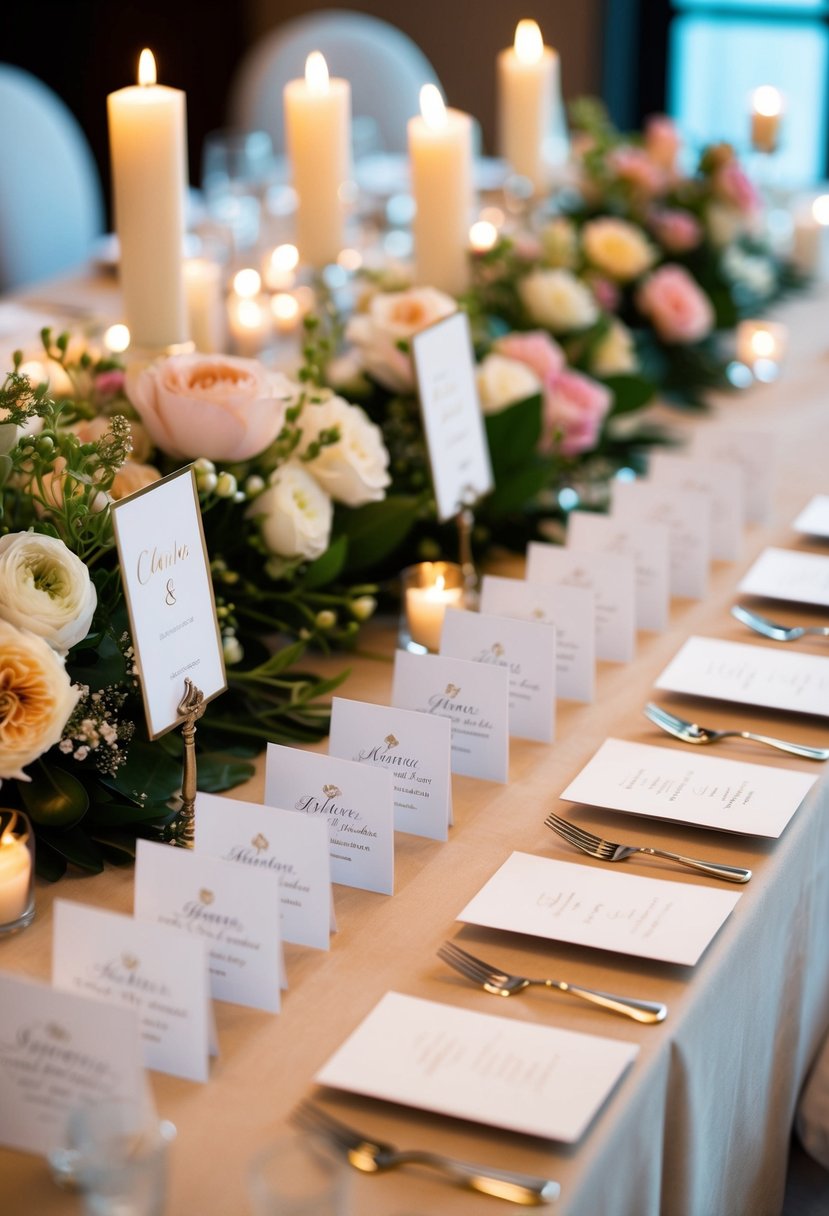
x: 700, y: 1124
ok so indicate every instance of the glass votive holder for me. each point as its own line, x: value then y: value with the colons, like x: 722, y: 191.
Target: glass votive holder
x: 17, y: 871
x: 298, y: 1175
x: 427, y: 590
x: 761, y: 346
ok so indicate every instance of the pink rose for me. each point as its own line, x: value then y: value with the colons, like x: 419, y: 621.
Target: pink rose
x: 662, y: 141
x: 677, y: 230
x: 676, y: 306
x: 634, y: 166
x: 605, y: 291
x: 541, y: 353
x: 109, y: 384
x: 731, y: 184
x: 575, y: 407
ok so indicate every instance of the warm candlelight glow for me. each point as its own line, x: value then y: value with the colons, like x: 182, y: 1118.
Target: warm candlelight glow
x: 316, y: 74
x: 350, y: 259
x: 529, y: 45
x: 247, y: 283
x: 768, y: 101
x: 432, y: 107
x: 820, y: 209
x: 763, y: 344
x: 285, y: 258
x: 250, y: 314
x: 146, y: 68
x: 482, y: 236
x: 285, y: 307
x: 117, y: 338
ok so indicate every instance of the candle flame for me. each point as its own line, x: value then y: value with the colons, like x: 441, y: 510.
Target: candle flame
x: 146, y: 68
x: 432, y: 107
x: 529, y: 45
x: 440, y: 583
x: 762, y: 344
x: 316, y: 73
x: 768, y: 101
x: 820, y: 209
x: 483, y: 235
x: 285, y: 307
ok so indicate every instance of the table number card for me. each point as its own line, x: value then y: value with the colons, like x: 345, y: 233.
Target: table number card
x: 166, y: 576
x: 525, y: 649
x: 609, y: 576
x: 355, y: 802
x: 236, y: 914
x: 415, y: 748
x: 452, y: 418
x: 755, y: 452
x: 786, y: 574
x: 474, y: 698
x: 813, y: 520
x: 686, y: 514
x: 291, y: 848
x: 723, y: 481
x: 646, y: 544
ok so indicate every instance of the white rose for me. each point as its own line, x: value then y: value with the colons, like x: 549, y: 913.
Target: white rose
x: 558, y: 300
x: 615, y: 355
x: 294, y: 514
x: 618, y: 248
x: 37, y: 699
x: 502, y: 381
x: 354, y: 470
x: 45, y: 588
x: 393, y: 318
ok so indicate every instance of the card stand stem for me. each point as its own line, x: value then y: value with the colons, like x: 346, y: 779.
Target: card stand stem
x: 466, y: 522
x: 191, y: 707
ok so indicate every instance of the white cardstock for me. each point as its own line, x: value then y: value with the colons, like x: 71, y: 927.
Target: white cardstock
x: 722, y: 481
x: 785, y: 574
x: 755, y: 452
x: 686, y: 514
x: 813, y: 520
x: 612, y: 579
x: 647, y: 545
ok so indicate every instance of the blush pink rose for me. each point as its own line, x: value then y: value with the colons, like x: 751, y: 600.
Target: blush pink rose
x: 541, y: 353
x: 731, y: 184
x: 634, y: 166
x: 678, y: 309
x: 662, y: 141
x: 606, y: 293
x: 575, y: 406
x: 677, y: 230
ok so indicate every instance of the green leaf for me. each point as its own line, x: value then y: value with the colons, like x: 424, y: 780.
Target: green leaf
x: 514, y: 492
x: 514, y: 434
x: 376, y: 529
x: 215, y: 774
x: 630, y: 393
x: 76, y: 847
x: 53, y: 797
x: 48, y: 864
x: 114, y: 813
x: 149, y: 774
x: 326, y: 568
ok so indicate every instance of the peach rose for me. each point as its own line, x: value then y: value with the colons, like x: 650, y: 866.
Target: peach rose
x: 575, y: 407
x: 393, y: 318
x: 662, y: 141
x: 541, y: 353
x: 36, y: 699
x: 91, y: 430
x: 132, y: 476
x: 617, y: 248
x: 676, y: 306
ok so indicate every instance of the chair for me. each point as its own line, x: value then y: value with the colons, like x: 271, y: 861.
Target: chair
x: 385, y: 68
x: 51, y: 206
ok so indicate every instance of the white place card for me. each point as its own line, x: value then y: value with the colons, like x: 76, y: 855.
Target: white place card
x: 708, y: 791
x: 160, y: 973
x: 755, y: 452
x: 59, y: 1051
x: 813, y: 520
x: 452, y: 417
x: 415, y: 748
x: 166, y: 577
x: 611, y: 578
x: 290, y: 847
x: 474, y: 698
x: 749, y: 675
x: 235, y: 913
x: 525, y: 649
x: 723, y: 481
x: 571, y: 610
x: 786, y: 574
x: 504, y: 1072
x: 593, y: 905
x: 646, y: 544
x: 355, y: 801
x: 687, y: 516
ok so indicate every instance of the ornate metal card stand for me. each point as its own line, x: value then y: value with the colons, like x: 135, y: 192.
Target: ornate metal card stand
x: 191, y: 707
x: 465, y: 520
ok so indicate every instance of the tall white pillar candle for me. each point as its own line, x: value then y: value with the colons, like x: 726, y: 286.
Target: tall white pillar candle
x: 440, y: 154
x: 528, y: 101
x: 766, y: 113
x: 318, y: 138
x: 148, y: 146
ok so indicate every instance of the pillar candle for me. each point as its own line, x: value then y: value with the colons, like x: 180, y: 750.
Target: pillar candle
x: 809, y: 236
x: 528, y: 95
x: 318, y: 139
x: 206, y: 314
x: 766, y: 111
x: 148, y: 147
x: 440, y: 154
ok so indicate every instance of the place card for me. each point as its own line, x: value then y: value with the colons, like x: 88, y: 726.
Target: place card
x: 165, y: 572
x: 593, y: 905
x: 786, y: 574
x: 290, y: 847
x: 647, y: 545
x: 356, y: 803
x: 474, y: 698
x: 749, y: 675
x: 572, y: 610
x: 158, y: 972
x: 504, y: 1072
x: 59, y: 1051
x: 755, y: 452
x: 813, y: 520
x: 708, y: 791
x: 452, y: 418
x: 609, y: 576
x: 724, y: 483
x: 236, y: 914
x: 525, y: 649
x: 415, y: 748
x: 687, y: 516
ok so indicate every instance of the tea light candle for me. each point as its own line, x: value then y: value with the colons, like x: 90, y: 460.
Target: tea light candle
x: 15, y: 876
x: 528, y: 86
x: 766, y: 112
x: 761, y: 342
x: 426, y: 604
x: 205, y: 304
x: 250, y: 324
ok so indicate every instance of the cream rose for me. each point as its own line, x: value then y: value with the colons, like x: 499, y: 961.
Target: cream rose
x: 558, y: 300
x: 294, y: 514
x: 617, y: 248
x: 45, y: 588
x: 36, y: 699
x: 393, y: 318
x: 503, y: 381
x: 216, y: 406
x: 354, y: 470
x: 615, y: 355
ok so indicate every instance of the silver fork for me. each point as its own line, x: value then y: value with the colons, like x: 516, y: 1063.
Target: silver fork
x: 503, y: 983
x: 375, y: 1156
x: 771, y: 629
x: 611, y: 850
x: 692, y: 732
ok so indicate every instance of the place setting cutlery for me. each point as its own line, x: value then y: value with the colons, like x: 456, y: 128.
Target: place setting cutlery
x: 372, y: 1156
x: 504, y: 983
x: 692, y: 732
x: 774, y: 630
x: 612, y: 850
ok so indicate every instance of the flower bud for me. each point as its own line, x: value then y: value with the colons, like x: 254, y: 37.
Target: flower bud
x: 363, y: 607
x: 226, y: 485
x: 326, y: 619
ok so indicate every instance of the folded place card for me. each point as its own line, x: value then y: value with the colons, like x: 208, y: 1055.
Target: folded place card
x: 749, y: 675
x: 504, y: 1072
x: 355, y: 802
x: 785, y: 574
x: 525, y: 649
x: 687, y: 516
x: 611, y: 578
x: 591, y: 905
x: 160, y: 973
x: 474, y: 698
x: 755, y: 452
x: 669, y: 783
x: 415, y: 748
x: 646, y: 544
x: 290, y: 847
x: 813, y: 520
x: 571, y: 610
x: 235, y: 913
x: 723, y: 481
x: 59, y: 1051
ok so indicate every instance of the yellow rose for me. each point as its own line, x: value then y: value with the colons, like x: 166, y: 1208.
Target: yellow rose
x: 618, y: 248
x: 36, y: 699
